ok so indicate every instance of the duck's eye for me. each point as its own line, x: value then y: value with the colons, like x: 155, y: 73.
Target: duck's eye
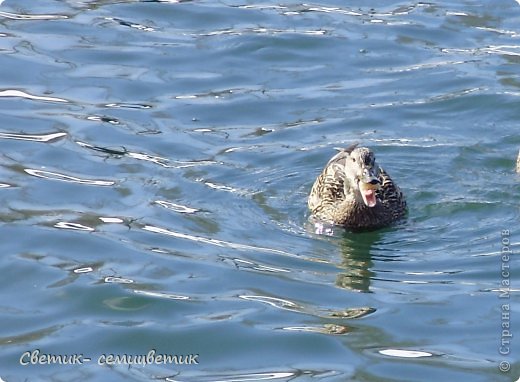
x: 354, y: 160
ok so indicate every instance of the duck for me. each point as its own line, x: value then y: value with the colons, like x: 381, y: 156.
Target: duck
x: 518, y: 163
x: 353, y: 191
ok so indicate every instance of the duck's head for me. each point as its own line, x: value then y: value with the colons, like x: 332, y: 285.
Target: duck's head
x: 362, y: 174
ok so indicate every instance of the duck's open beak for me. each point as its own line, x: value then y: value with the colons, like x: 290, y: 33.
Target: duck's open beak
x: 368, y: 187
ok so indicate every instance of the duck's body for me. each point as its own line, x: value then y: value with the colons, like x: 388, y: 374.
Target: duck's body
x: 354, y: 192
x: 518, y: 163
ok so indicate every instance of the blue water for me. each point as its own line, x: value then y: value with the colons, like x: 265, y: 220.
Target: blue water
x: 156, y: 157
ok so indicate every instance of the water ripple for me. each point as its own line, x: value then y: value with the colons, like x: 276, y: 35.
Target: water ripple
x: 31, y: 335
x: 400, y: 353
x: 17, y: 16
x: 97, y: 118
x: 506, y: 50
x: 127, y: 106
x: 111, y: 220
x: 137, y: 26
x: 299, y: 9
x: 216, y: 242
x: 21, y: 94
x: 510, y: 33
x: 67, y: 178
x: 176, y: 207
x: 239, y: 377
x: 268, y: 31
x: 422, y: 66
x: 73, y: 226
x: 433, y: 99
x: 117, y: 280
x: 325, y: 329
x: 168, y: 296
x: 84, y: 270
x: 284, y: 304
x: 161, y: 161
x: 275, y: 302
x: 33, y: 137
x: 464, y: 358
x: 246, y: 264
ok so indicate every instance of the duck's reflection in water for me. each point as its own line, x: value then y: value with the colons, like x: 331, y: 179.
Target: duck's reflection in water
x: 357, y: 261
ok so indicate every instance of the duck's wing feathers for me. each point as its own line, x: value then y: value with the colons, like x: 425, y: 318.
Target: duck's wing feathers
x: 389, y: 193
x: 329, y: 186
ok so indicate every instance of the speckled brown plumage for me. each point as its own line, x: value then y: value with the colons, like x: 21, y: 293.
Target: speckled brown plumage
x: 336, y: 196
